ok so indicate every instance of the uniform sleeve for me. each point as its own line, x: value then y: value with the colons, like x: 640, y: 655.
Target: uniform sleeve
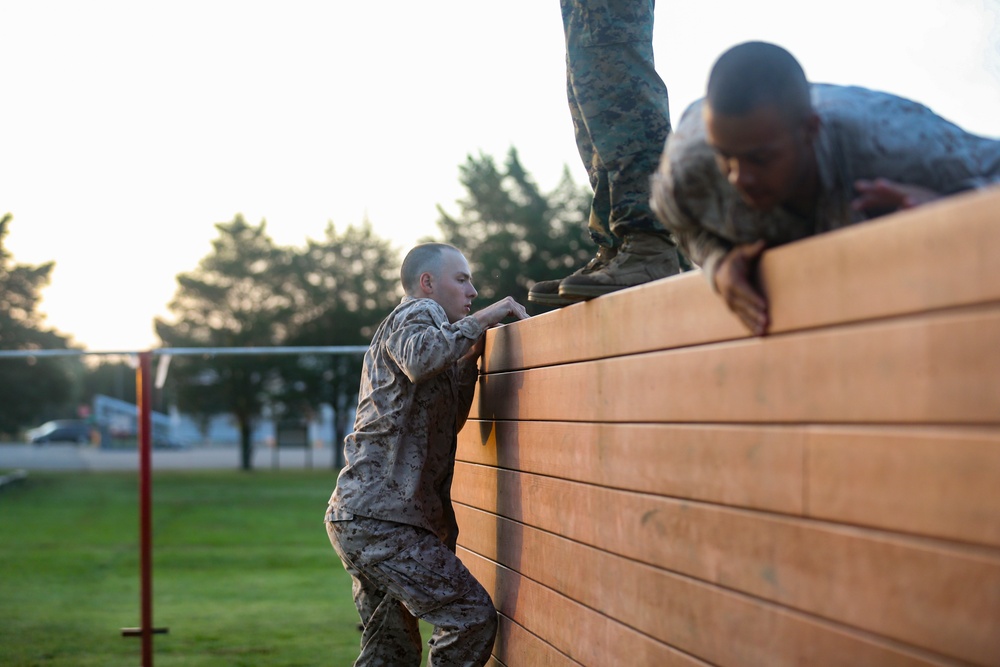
x: 886, y: 136
x: 701, y: 246
x: 426, y: 344
x: 685, y: 192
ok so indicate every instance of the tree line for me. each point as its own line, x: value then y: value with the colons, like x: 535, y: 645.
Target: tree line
x: 249, y: 291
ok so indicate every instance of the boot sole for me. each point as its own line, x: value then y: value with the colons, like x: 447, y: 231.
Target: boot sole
x: 580, y: 292
x: 551, y: 299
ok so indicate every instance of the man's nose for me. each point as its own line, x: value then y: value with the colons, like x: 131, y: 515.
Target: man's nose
x: 472, y: 292
x: 740, y: 175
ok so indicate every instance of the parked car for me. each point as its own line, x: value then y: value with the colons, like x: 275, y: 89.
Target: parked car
x: 166, y: 443
x: 61, y: 430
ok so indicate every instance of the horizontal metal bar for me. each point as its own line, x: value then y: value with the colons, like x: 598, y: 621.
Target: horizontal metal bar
x: 190, y: 351
x: 15, y: 354
x: 315, y: 349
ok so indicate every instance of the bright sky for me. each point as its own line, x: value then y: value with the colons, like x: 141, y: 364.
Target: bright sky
x: 129, y: 127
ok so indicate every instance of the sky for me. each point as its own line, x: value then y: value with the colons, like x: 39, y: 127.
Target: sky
x: 129, y: 128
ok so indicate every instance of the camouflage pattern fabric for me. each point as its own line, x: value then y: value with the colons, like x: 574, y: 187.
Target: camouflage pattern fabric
x: 413, y: 400
x: 390, y: 519
x: 402, y: 573
x: 619, y: 108
x: 864, y: 134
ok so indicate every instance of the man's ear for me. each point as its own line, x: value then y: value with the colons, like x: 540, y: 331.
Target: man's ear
x: 426, y: 283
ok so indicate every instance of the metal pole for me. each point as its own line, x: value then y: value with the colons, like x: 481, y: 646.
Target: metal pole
x: 145, y: 506
x: 145, y: 631
x: 144, y: 386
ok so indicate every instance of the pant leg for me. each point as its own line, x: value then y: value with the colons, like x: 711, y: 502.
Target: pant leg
x: 619, y: 108
x: 390, y: 634
x: 403, y: 571
x: 599, y: 224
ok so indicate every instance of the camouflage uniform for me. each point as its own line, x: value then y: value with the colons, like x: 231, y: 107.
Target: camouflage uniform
x: 621, y: 118
x: 619, y: 107
x: 863, y: 134
x: 390, y: 519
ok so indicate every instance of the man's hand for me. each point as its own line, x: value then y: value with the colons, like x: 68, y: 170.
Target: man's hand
x: 883, y: 196
x: 499, y: 311
x: 732, y: 280
x: 490, y: 316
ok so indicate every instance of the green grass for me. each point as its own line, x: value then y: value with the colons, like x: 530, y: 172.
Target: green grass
x: 243, y: 573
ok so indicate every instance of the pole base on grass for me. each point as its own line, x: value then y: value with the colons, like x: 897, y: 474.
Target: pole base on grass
x: 137, y: 632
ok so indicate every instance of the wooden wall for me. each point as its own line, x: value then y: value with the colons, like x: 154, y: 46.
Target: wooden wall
x: 641, y: 483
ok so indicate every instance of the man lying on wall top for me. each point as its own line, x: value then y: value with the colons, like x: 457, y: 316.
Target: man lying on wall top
x: 767, y: 158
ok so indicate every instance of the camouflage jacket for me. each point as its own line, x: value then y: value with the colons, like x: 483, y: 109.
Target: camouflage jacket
x: 863, y: 134
x: 415, y: 396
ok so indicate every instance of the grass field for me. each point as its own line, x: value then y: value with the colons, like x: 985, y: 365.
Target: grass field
x: 243, y: 573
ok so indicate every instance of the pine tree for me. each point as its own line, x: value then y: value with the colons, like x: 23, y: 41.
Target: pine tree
x: 33, y: 389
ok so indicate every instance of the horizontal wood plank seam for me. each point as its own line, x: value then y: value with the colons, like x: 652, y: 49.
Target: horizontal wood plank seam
x: 610, y: 487
x: 600, y: 613
x: 905, y: 540
x: 938, y: 526
x: 883, y: 641
x: 987, y: 307
x: 866, y: 348
x: 524, y: 629
x: 960, y: 309
x: 921, y: 427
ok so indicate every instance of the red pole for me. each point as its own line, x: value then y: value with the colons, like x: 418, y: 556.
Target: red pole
x: 144, y: 389
x: 145, y: 507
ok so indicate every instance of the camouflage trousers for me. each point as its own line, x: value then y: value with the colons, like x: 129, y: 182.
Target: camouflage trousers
x: 619, y: 107
x: 403, y: 573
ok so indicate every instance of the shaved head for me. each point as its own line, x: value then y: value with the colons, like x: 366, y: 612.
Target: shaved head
x: 754, y: 74
x: 424, y: 258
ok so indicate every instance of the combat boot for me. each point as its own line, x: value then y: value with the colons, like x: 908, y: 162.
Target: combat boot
x: 546, y: 292
x: 642, y: 257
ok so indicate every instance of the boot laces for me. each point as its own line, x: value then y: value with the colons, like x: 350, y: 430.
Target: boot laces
x: 603, y: 257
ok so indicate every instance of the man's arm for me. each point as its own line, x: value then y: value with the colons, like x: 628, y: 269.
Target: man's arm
x: 428, y: 344
x: 882, y: 196
x: 496, y: 313
x: 728, y: 269
x: 686, y: 191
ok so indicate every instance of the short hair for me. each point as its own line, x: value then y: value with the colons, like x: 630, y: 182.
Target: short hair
x: 421, y: 259
x: 754, y: 74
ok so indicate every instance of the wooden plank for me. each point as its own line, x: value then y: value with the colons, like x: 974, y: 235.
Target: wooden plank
x: 583, y: 634
x: 716, y: 625
x: 687, y: 312
x: 520, y: 647
x: 936, y: 368
x: 941, y: 597
x: 901, y: 264
x: 937, y: 482
x: 758, y: 467
x: 940, y: 255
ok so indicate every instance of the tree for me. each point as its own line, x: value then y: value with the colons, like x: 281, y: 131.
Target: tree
x: 109, y: 377
x: 513, y: 234
x: 239, y: 296
x: 33, y: 389
x: 347, y: 284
